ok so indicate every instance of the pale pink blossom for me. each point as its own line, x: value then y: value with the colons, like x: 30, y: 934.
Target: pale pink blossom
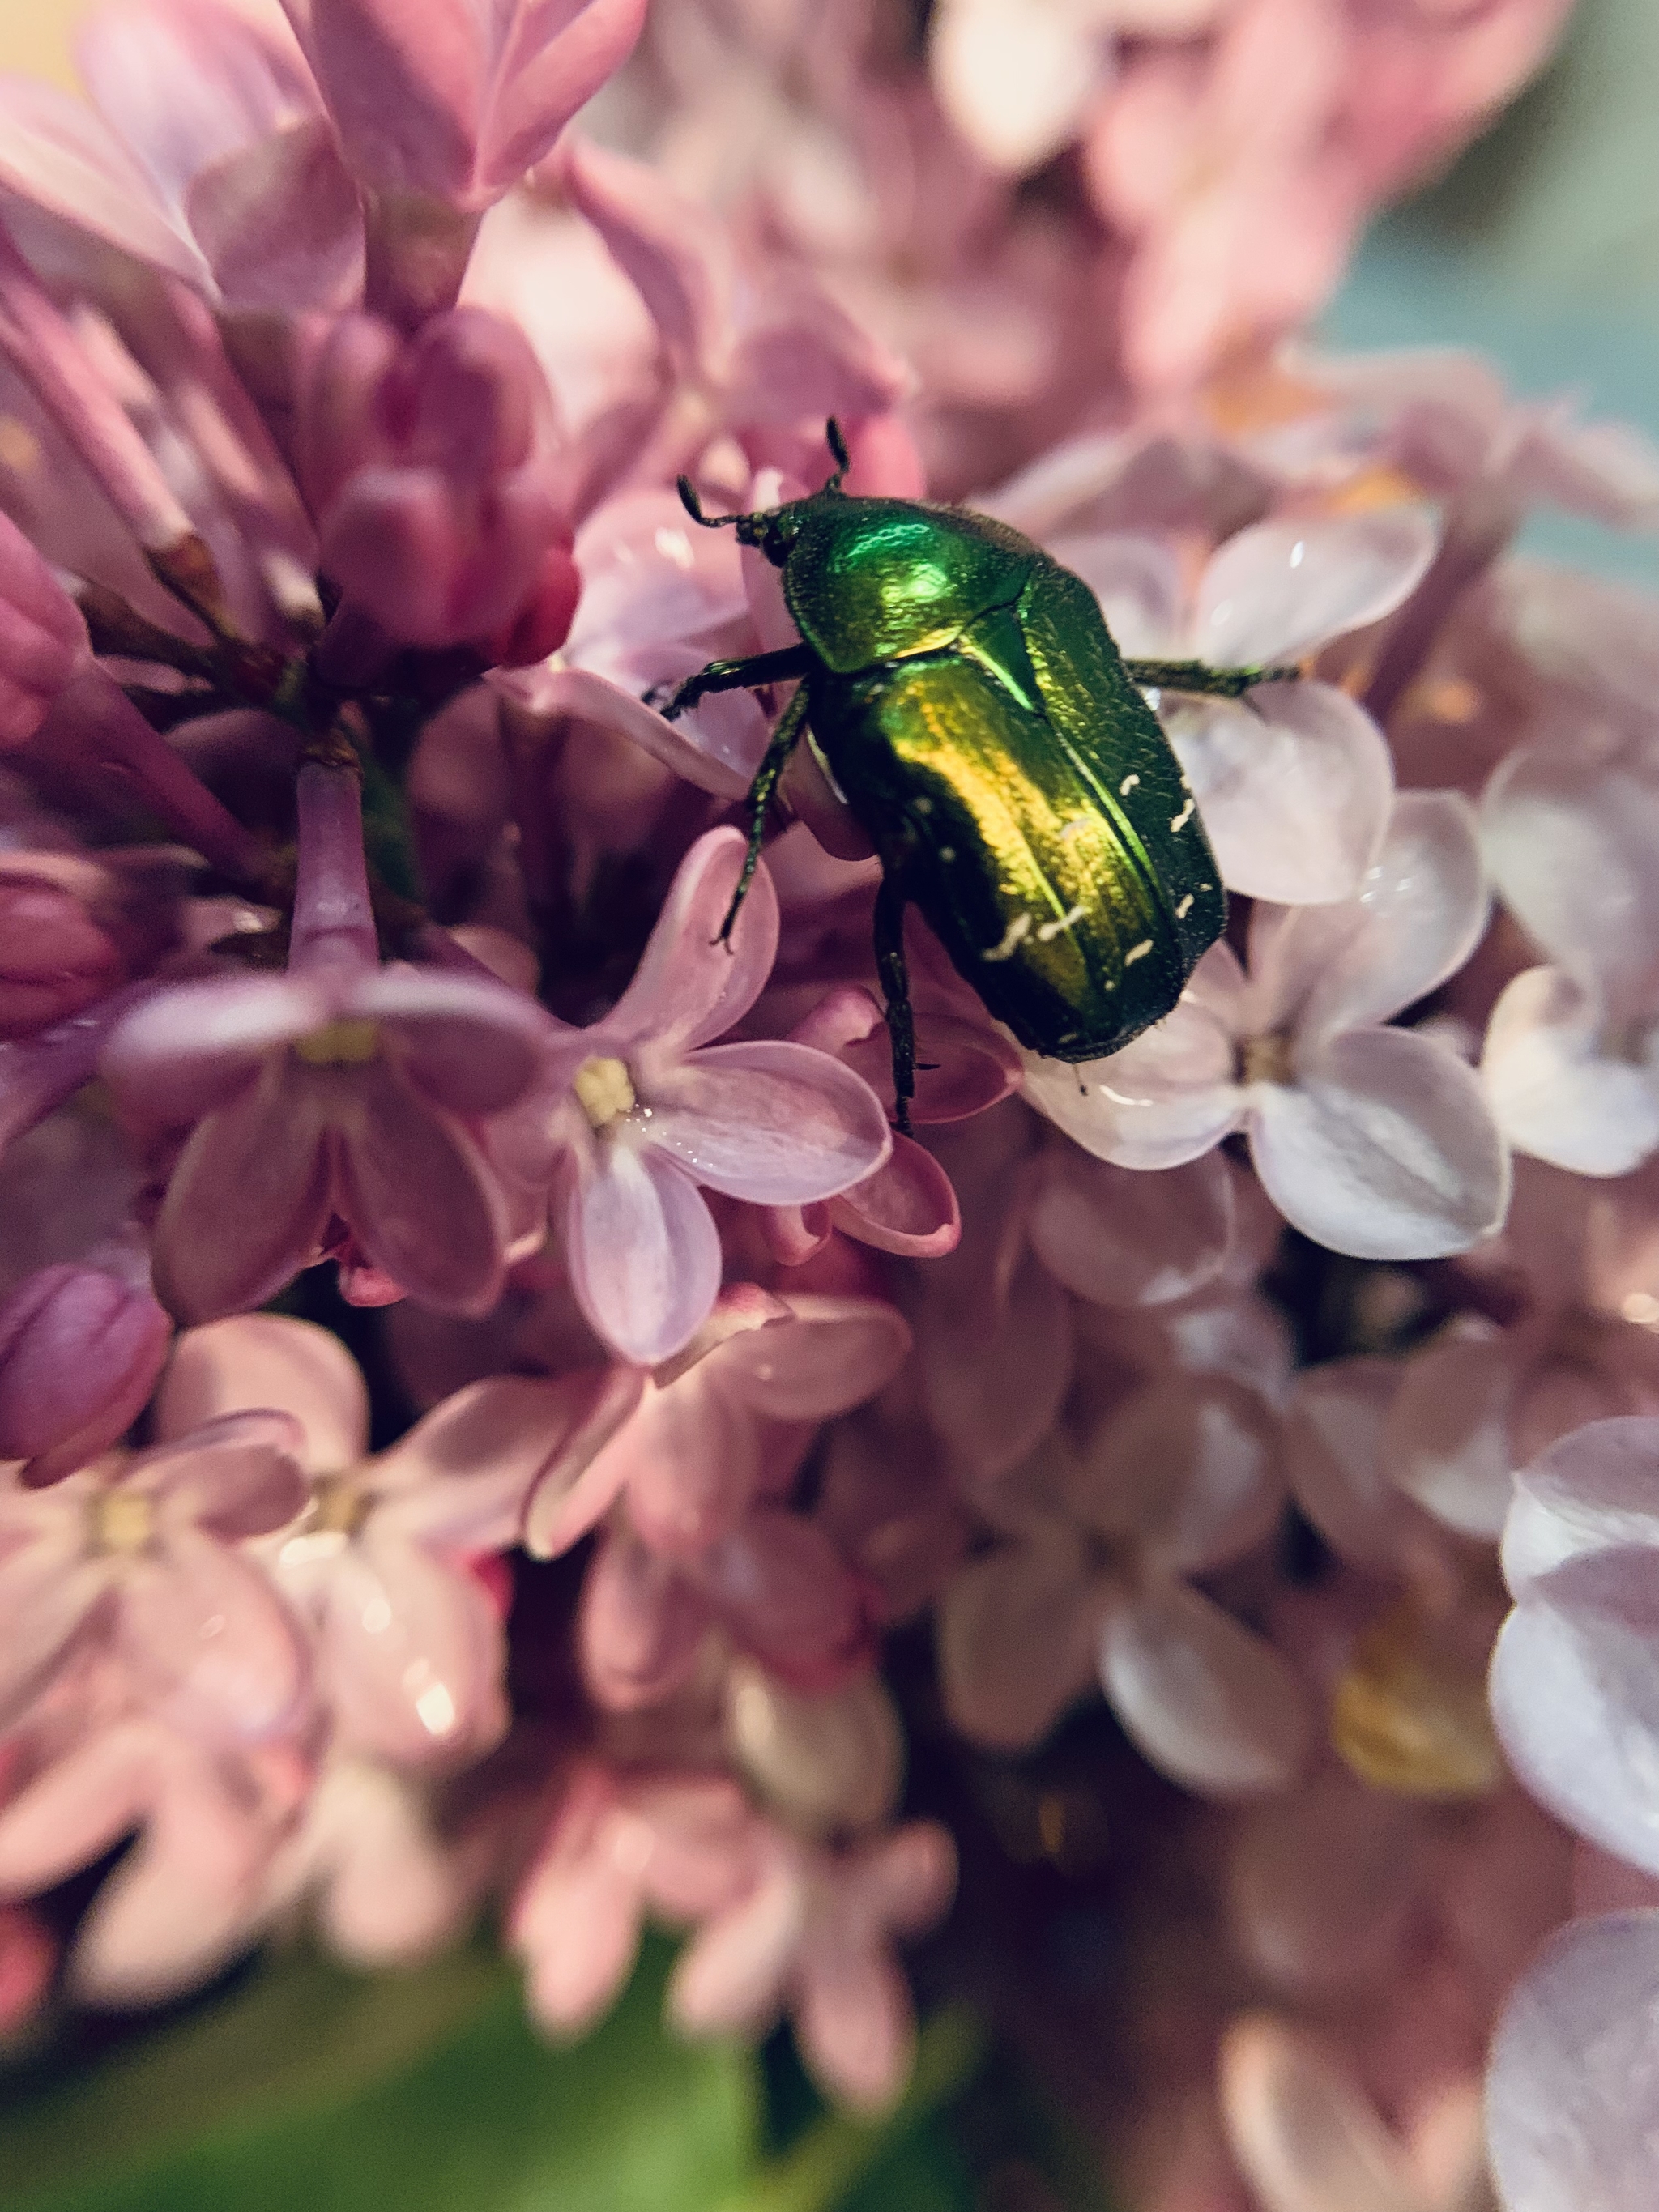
x: 647, y: 1108
x: 1575, y: 2071
x: 1373, y: 1140
x: 727, y: 1420
x: 206, y: 153
x: 1480, y: 1399
x: 186, y: 1898
x: 408, y: 1648
x: 140, y: 1555
x: 812, y: 1936
x: 1571, y: 1049
x: 80, y: 1352
x: 43, y: 638
x: 1177, y: 1481
x: 328, y: 1095
x: 679, y: 1845
x: 1293, y: 781
x: 758, y: 352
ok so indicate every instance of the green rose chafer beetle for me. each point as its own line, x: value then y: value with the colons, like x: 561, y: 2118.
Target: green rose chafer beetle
x: 965, y: 699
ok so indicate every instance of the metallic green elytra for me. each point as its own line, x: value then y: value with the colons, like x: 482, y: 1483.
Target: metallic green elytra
x: 967, y: 700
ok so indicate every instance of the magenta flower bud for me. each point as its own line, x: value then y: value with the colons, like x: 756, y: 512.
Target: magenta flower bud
x: 80, y: 1352
x: 43, y: 638
x: 56, y: 956
x: 426, y: 462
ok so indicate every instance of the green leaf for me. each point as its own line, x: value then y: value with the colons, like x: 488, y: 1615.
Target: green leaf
x: 316, y: 2089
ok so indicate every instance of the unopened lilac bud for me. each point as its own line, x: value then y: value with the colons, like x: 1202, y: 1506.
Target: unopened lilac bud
x: 55, y: 954
x: 80, y: 1353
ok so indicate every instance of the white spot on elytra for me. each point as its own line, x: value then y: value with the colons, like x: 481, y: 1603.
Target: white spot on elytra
x: 1074, y: 828
x: 1185, y: 908
x: 1050, y: 930
x: 1128, y: 786
x: 1137, y: 951
x: 1014, y: 936
x: 1185, y: 816
x: 947, y: 852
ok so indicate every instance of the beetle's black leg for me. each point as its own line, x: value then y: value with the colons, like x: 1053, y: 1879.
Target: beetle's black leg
x: 785, y: 737
x: 895, y: 989
x: 780, y: 667
x: 1199, y: 677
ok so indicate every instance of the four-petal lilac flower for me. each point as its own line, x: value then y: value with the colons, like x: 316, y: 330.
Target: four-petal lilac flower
x: 340, y: 1092
x: 1374, y: 1140
x: 646, y: 1111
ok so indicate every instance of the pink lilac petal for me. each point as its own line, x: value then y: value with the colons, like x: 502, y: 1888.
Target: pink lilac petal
x: 730, y: 1978
x: 823, y: 1355
x: 1596, y: 1490
x: 43, y: 637
x: 1121, y: 1239
x: 995, y: 1363
x: 1294, y: 785
x: 420, y: 1196
x: 690, y: 987
x: 786, y: 1594
x: 1417, y: 914
x: 1281, y: 589
x: 1165, y: 1099
x: 80, y: 1352
x: 1560, y: 1089
x: 460, y: 1478
x: 1016, y: 1635
x: 208, y: 1643
x: 56, y: 154
x: 1570, y: 849
x: 1448, y: 1442
x: 450, y: 106
x: 188, y: 1050
x: 48, y: 1586
x: 1210, y: 1703
x: 907, y: 1207
x: 643, y: 1252
x: 639, y: 1626
x: 1573, y: 1697
x: 1018, y: 88
x: 410, y: 1649
x: 857, y: 2027
x: 468, y: 1044
x: 247, y: 1203
x: 1334, y: 1457
x: 776, y: 1123
x: 1385, y: 1149
x: 1188, y: 1469
x: 280, y: 222
x: 1301, y: 2128
x: 270, y: 1360
x: 1573, y: 2082
x: 237, y: 1475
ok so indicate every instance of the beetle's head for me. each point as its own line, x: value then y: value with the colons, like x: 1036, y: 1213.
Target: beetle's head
x: 772, y: 530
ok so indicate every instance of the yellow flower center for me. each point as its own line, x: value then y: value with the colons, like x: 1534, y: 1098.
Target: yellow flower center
x: 345, y: 1043
x: 1266, y: 1060
x: 338, y: 1506
x: 1410, y: 1714
x: 123, y: 1520
x: 603, y: 1091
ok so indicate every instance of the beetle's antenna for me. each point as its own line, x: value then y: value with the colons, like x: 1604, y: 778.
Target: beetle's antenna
x: 837, y: 445
x: 693, y: 506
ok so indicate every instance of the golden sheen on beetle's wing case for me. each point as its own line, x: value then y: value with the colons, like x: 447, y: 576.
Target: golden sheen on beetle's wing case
x: 980, y: 815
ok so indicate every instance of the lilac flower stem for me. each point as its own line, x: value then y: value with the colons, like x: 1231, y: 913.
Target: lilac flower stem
x: 94, y: 719
x: 38, y: 1074
x: 333, y: 917
x: 44, y: 350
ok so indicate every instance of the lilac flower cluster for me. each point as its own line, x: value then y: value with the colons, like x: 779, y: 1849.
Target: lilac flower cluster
x: 359, y: 914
